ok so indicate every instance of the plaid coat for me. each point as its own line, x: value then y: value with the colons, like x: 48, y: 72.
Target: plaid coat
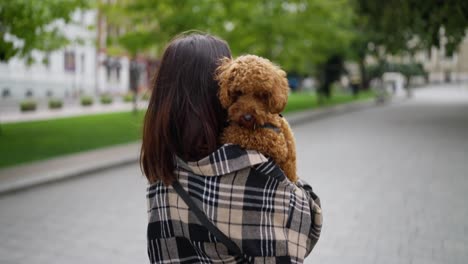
x: 247, y: 197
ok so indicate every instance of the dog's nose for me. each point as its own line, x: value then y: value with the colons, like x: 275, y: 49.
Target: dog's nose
x: 247, y: 117
x: 247, y: 121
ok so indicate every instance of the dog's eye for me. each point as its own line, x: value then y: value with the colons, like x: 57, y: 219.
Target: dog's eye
x: 236, y: 94
x: 262, y: 96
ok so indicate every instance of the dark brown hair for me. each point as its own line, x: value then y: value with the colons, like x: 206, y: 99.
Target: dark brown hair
x: 184, y: 115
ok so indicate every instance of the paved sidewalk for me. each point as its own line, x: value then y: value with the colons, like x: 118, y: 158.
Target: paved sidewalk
x: 42, y: 172
x: 56, y: 169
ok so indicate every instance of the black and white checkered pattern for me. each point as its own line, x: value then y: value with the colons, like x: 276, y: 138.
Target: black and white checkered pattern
x: 247, y: 197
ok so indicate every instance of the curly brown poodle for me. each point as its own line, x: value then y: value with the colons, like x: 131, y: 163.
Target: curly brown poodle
x: 254, y: 91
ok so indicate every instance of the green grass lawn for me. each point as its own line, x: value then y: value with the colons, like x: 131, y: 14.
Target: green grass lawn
x: 301, y: 101
x: 31, y: 141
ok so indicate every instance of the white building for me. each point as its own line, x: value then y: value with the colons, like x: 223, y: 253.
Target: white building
x: 71, y: 71
x: 443, y: 68
x: 439, y: 65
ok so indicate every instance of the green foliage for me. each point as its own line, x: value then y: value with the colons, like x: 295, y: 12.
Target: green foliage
x: 87, y: 101
x: 106, y: 99
x: 403, y: 28
x: 375, y: 71
x: 146, y: 96
x: 296, y: 34
x: 406, y: 69
x: 55, y: 103
x: 128, y: 97
x: 28, y: 105
x: 29, y: 22
x: 414, y: 24
x: 330, y: 72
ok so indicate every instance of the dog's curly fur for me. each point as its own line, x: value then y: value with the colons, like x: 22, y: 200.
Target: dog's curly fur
x: 254, y: 86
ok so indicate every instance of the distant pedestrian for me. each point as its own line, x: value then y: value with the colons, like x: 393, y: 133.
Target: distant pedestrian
x: 293, y: 81
x: 212, y: 203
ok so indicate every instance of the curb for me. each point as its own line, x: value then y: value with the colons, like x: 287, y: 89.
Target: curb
x: 54, y: 176
x: 294, y: 119
x: 23, y: 177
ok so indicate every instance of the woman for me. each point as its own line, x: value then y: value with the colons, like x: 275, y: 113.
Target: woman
x: 240, y: 192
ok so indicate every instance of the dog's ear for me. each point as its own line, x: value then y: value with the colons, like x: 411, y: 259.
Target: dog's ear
x: 224, y: 75
x: 279, y: 97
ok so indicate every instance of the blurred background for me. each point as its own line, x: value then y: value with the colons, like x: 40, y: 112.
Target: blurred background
x: 378, y: 104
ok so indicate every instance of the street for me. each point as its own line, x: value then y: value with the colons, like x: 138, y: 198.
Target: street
x: 393, y: 181
x: 94, y: 219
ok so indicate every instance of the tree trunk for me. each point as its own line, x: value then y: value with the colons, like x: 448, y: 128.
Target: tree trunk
x: 409, y: 92
x: 134, y: 79
x: 362, y: 70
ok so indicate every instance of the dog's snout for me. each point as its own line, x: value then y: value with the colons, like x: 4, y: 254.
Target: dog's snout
x: 247, y: 117
x: 247, y: 121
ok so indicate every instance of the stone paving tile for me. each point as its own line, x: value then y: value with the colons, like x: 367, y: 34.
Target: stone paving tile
x: 392, y: 181
x: 394, y: 175
x: 96, y: 219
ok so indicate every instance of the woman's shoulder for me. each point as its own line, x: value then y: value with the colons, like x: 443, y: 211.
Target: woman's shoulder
x: 227, y: 159
x: 270, y: 169
x: 231, y: 159
x: 230, y: 167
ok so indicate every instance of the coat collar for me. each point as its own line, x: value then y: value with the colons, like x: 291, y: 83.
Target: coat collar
x: 226, y: 159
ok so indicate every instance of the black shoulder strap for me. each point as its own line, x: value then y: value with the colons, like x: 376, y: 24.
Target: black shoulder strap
x: 206, y: 222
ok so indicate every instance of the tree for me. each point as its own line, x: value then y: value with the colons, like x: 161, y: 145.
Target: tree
x: 416, y: 24
x: 369, y: 39
x: 404, y: 27
x: 331, y: 72
x: 27, y: 25
x: 297, y: 34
